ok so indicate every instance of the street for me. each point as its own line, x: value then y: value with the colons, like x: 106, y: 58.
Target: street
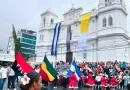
x: 58, y: 88
x: 5, y: 86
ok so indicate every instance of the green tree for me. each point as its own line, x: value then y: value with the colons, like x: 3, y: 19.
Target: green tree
x: 16, y: 42
x: 17, y: 49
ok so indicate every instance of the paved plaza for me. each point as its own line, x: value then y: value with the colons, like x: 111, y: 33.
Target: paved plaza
x: 58, y: 88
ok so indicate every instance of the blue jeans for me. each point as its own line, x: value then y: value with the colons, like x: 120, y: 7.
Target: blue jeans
x: 2, y: 83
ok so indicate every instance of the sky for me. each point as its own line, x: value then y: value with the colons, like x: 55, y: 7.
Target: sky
x: 25, y: 14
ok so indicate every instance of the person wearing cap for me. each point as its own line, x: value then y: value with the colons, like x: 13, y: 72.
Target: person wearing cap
x: 73, y: 81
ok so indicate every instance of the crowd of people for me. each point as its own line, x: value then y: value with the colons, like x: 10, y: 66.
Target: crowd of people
x: 6, y: 72
x: 95, y: 76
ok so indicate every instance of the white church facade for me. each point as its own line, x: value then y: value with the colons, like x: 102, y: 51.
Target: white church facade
x: 107, y: 39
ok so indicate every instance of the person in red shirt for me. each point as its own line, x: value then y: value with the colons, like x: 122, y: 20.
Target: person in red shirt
x: 113, y: 82
x: 83, y: 79
x: 104, y: 83
x: 91, y: 81
x: 73, y: 81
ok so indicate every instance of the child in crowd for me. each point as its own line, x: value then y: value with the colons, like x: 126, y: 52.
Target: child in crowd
x: 104, y: 82
x: 125, y: 78
x: 98, y: 80
x: 113, y: 83
x: 73, y: 81
x: 118, y: 81
x: 83, y: 79
x: 128, y: 82
x: 91, y: 81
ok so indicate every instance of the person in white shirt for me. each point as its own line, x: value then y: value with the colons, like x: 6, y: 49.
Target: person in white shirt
x: 98, y: 80
x: 64, y: 74
x: 4, y: 75
x: 11, y: 77
x: 37, y: 69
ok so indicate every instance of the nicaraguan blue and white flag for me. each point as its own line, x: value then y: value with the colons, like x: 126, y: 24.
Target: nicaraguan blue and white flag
x: 75, y: 68
x: 55, y: 39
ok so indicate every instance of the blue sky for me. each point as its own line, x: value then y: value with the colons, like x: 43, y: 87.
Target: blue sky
x: 26, y: 13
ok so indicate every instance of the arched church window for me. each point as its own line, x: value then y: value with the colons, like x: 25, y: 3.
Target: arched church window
x: 40, y: 37
x: 110, y: 21
x: 52, y: 21
x: 70, y: 35
x: 121, y: 1
x: 104, y: 22
x: 44, y: 21
x: 108, y: 2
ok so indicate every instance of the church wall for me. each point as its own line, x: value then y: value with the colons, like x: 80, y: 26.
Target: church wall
x: 101, y: 41
x: 119, y: 19
x: 112, y: 48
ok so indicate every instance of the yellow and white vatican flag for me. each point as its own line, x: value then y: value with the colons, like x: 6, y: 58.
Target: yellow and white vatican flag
x: 85, y: 22
x: 84, y: 29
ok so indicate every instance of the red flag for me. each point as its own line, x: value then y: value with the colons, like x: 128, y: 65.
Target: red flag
x: 22, y: 64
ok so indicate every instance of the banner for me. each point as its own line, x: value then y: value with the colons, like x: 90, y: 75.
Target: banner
x: 55, y: 39
x: 84, y: 29
x: 68, y: 38
x: 85, y: 23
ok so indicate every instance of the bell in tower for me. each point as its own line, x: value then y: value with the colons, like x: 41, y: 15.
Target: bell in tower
x: 108, y: 2
x: 48, y: 18
x: 105, y: 3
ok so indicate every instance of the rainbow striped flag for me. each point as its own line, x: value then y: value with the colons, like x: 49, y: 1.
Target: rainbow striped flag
x: 47, y: 72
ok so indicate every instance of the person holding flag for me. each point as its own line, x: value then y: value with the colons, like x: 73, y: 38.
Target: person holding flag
x: 75, y: 74
x: 47, y: 71
x: 73, y: 81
